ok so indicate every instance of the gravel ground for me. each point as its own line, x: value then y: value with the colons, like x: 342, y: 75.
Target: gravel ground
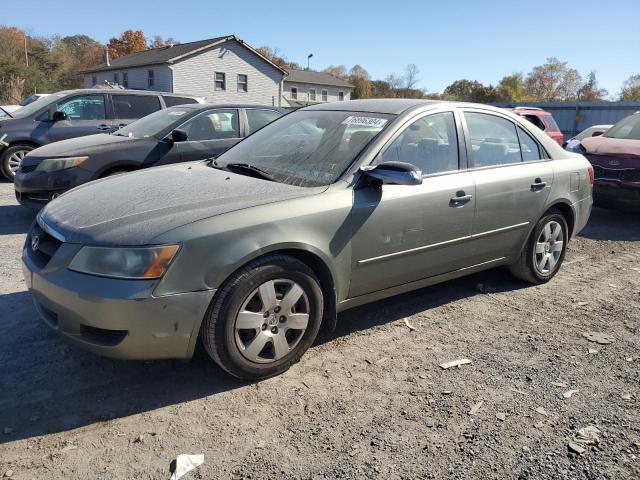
x: 369, y: 402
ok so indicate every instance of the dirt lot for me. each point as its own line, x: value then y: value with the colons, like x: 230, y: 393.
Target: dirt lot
x: 370, y: 401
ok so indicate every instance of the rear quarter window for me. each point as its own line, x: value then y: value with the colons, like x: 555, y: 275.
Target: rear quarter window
x: 135, y: 106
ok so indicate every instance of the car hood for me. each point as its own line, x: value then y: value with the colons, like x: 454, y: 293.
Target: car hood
x: 612, y: 146
x: 84, y: 145
x: 135, y: 208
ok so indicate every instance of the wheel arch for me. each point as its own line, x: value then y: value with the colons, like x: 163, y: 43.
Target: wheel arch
x: 123, y: 165
x: 567, y: 211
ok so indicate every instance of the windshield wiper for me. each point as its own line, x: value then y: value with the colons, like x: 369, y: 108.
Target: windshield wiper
x: 250, y: 168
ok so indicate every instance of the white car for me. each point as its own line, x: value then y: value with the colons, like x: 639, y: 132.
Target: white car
x: 592, y: 131
x: 7, y: 110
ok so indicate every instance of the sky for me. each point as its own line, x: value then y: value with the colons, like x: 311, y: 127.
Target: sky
x: 447, y: 39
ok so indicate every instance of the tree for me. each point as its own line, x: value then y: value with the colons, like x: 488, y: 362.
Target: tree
x: 359, y: 78
x: 631, y: 89
x: 470, y: 91
x: 589, y: 92
x: 394, y: 81
x: 273, y: 54
x: 512, y: 89
x: 381, y: 89
x: 339, y: 71
x: 128, y: 42
x: 554, y: 81
x: 159, y: 42
x: 411, y: 76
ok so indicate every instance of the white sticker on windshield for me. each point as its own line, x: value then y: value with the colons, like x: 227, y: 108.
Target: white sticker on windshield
x: 177, y: 113
x: 365, y: 121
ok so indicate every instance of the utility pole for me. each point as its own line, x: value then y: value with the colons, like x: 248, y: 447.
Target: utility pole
x: 26, y: 55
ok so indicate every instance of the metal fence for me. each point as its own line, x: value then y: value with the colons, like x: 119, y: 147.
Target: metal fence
x: 573, y: 117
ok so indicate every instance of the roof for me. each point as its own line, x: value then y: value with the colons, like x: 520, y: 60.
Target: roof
x: 315, y: 78
x: 170, y: 54
x: 376, y: 105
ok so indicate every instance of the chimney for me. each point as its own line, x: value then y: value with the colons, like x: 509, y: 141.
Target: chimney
x: 106, y: 57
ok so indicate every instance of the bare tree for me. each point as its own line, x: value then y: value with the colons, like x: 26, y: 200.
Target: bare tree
x: 394, y: 81
x: 411, y: 75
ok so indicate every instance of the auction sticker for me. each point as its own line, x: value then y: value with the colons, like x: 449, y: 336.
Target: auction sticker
x: 365, y: 121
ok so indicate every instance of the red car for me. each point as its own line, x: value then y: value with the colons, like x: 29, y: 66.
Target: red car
x: 541, y: 119
x: 615, y: 157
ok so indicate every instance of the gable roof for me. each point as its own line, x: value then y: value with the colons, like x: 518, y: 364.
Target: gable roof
x: 171, y: 54
x: 317, y: 78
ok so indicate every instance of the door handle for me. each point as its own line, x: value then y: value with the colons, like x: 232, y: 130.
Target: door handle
x: 538, y: 185
x: 103, y: 127
x: 460, y: 200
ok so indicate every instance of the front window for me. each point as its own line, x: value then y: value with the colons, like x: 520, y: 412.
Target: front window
x: 151, y: 81
x: 125, y: 80
x: 628, y: 128
x: 341, y: 96
x: 312, y: 94
x: 212, y: 125
x: 86, y: 107
x: 308, y: 147
x: 325, y: 95
x: 294, y: 93
x: 153, y: 124
x: 243, y: 83
x: 221, y: 81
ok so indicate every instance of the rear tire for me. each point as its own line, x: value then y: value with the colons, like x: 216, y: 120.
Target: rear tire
x: 544, y: 251
x: 264, y: 318
x: 12, y: 158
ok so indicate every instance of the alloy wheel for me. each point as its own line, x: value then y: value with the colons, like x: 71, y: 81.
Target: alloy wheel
x: 548, y: 248
x: 272, y: 321
x: 16, y: 159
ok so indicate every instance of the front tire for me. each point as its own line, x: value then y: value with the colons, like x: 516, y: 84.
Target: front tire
x: 544, y: 251
x: 264, y: 318
x: 12, y: 158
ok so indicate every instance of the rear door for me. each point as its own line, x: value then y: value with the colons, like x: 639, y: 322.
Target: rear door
x: 209, y: 134
x: 259, y: 117
x: 513, y: 179
x: 128, y: 108
x: 86, y: 115
x: 404, y: 233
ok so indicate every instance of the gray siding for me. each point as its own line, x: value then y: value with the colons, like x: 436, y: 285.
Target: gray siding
x: 573, y: 117
x: 137, y: 78
x: 196, y: 74
x: 303, y: 92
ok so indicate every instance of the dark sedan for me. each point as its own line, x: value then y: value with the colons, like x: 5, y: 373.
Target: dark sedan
x: 177, y: 134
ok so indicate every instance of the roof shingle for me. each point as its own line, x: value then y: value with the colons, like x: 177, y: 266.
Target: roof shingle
x: 318, y: 78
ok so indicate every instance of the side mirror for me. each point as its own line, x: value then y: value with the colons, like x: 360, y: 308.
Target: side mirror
x: 597, y: 134
x: 59, y: 116
x: 179, y: 135
x: 394, y: 173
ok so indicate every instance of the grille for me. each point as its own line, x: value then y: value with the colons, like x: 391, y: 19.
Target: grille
x: 626, y: 175
x: 46, y: 248
x: 102, y: 336
x: 27, y: 168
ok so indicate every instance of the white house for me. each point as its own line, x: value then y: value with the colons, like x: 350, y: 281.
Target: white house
x: 222, y: 70
x: 306, y: 87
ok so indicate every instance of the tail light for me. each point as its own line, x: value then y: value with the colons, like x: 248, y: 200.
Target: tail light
x: 591, y: 175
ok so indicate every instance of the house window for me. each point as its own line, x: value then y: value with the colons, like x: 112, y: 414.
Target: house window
x: 325, y: 95
x: 294, y: 93
x: 312, y: 94
x: 116, y: 80
x: 125, y: 79
x: 243, y: 83
x: 221, y: 81
x: 341, y: 96
x: 151, y: 82
x: 94, y: 80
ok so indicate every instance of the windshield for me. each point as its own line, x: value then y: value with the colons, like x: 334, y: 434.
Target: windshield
x: 628, y: 128
x: 308, y: 147
x: 37, y: 105
x: 153, y: 124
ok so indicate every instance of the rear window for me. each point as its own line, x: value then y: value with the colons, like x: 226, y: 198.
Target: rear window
x: 135, y: 106
x: 173, y: 101
x: 550, y: 122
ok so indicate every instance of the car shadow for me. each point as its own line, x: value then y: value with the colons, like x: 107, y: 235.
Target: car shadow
x: 606, y: 224
x: 50, y: 385
x: 15, y: 219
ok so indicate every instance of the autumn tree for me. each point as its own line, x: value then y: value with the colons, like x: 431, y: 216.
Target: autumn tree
x: 512, y: 89
x: 276, y: 57
x: 158, y: 42
x: 554, y: 81
x: 359, y: 78
x: 470, y: 91
x: 339, y: 71
x: 590, y: 92
x: 128, y: 42
x: 631, y: 89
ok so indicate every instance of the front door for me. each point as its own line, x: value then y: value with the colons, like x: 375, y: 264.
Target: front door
x: 406, y: 233
x: 209, y: 134
x: 513, y: 180
x: 86, y: 115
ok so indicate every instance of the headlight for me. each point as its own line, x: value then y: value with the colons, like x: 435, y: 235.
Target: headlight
x: 132, y: 263
x: 53, y: 164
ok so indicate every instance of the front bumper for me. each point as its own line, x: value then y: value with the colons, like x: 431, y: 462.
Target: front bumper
x: 111, y: 317
x: 617, y: 194
x: 37, y: 188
